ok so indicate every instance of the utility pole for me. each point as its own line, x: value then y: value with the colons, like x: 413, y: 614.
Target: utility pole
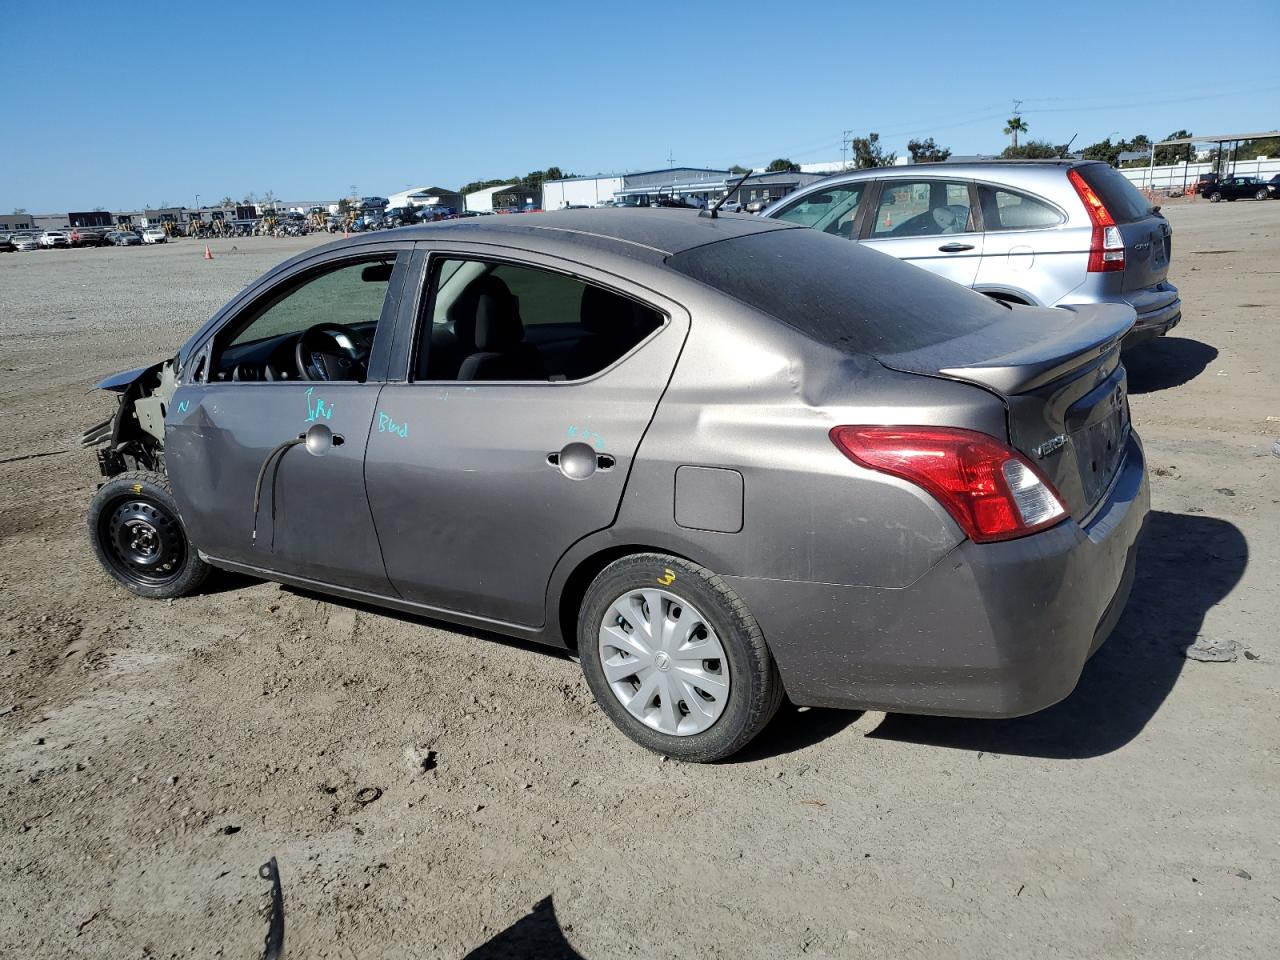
x: 844, y: 148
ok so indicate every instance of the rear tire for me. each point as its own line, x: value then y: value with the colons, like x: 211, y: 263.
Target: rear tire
x: 139, y: 538
x: 707, y: 655
x: 1261, y: 194
x: 1215, y: 197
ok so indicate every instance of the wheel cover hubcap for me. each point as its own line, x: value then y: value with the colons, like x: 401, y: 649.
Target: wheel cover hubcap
x: 663, y: 661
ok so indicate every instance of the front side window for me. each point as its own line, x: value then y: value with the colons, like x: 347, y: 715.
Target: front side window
x: 502, y: 321
x: 1007, y: 210
x: 923, y: 208
x: 833, y: 210
x: 321, y: 328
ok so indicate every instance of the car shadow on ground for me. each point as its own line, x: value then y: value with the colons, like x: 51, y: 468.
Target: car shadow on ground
x: 536, y: 935
x: 1186, y: 564
x: 1166, y: 362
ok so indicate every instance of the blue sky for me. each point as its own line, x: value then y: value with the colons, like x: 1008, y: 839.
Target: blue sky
x: 129, y: 104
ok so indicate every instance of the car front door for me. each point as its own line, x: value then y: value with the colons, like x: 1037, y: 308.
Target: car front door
x: 513, y: 431
x: 306, y: 349
x: 929, y: 223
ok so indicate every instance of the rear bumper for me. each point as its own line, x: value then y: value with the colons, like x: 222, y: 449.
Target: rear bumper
x: 992, y: 630
x: 1155, y: 323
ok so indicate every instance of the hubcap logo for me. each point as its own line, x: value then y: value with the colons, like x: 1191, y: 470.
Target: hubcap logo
x: 662, y: 661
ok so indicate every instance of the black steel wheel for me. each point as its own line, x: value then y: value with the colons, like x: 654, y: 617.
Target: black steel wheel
x: 139, y: 538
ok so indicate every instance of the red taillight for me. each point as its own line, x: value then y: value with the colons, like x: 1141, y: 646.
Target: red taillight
x: 992, y: 491
x: 1106, y: 247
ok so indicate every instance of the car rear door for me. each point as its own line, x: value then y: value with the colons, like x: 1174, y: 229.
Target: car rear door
x: 929, y: 222
x: 1028, y: 251
x: 478, y: 487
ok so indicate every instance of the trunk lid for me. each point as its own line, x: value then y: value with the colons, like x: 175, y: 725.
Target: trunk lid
x: 1059, y: 374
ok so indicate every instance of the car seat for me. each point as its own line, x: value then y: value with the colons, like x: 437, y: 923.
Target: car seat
x: 611, y: 325
x: 498, y: 334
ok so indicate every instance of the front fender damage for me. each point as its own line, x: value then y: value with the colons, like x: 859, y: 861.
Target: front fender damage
x: 133, y: 437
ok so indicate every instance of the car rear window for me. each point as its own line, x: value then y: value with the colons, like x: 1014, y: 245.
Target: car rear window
x: 1122, y: 199
x: 851, y: 297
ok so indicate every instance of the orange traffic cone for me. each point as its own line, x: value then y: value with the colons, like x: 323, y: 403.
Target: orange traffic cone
x: 208, y: 254
x: 888, y: 219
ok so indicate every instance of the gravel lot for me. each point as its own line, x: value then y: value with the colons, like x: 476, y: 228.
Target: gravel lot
x: 152, y: 755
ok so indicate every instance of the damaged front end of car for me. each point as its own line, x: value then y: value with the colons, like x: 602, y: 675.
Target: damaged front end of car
x: 133, y: 437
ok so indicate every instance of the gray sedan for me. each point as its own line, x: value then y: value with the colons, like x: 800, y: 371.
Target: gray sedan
x: 719, y: 459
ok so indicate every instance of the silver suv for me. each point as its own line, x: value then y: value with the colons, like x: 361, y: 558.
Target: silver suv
x: 1040, y: 232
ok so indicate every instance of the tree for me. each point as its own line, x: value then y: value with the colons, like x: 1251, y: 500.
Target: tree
x: 1103, y: 150
x: 782, y: 165
x: 1013, y: 127
x: 226, y: 202
x: 738, y: 170
x: 344, y: 207
x: 19, y: 209
x: 926, y: 151
x: 868, y: 153
x: 269, y: 200
x: 1174, y: 154
x: 1033, y: 150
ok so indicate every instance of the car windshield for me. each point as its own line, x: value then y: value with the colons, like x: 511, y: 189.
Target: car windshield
x: 851, y: 297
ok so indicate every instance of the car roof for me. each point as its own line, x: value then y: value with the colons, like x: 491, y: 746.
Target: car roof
x: 662, y: 231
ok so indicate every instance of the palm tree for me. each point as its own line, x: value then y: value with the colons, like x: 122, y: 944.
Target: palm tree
x: 1015, y: 126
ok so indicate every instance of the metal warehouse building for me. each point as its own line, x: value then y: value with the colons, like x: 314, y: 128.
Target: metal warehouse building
x: 690, y: 183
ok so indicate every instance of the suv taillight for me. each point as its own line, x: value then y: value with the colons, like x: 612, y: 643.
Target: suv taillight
x: 990, y: 490
x: 1106, y: 249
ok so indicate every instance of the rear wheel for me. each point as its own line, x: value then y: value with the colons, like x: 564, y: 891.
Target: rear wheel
x: 1261, y: 194
x: 1215, y: 197
x: 675, y: 659
x: 139, y: 538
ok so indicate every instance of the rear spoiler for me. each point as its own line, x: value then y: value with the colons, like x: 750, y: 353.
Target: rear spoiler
x: 1032, y: 346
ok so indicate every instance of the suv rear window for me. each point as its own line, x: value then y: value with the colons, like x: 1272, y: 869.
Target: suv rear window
x: 1122, y: 199
x: 850, y: 297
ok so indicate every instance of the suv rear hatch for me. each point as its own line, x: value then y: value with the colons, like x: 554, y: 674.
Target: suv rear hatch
x: 1146, y: 237
x: 1058, y: 372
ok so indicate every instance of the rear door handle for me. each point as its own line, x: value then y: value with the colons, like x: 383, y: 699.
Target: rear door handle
x: 577, y: 461
x: 955, y: 247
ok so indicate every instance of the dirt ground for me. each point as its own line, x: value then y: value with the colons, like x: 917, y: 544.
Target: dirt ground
x: 153, y: 755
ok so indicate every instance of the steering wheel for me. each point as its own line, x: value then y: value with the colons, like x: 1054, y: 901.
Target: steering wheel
x: 331, y: 351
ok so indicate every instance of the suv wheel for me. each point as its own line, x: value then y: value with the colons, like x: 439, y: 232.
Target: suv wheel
x: 1215, y: 196
x: 675, y: 659
x: 1261, y: 194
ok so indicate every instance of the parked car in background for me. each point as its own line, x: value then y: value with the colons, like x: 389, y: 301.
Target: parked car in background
x: 1039, y: 232
x: 87, y: 236
x: 154, y: 235
x: 1235, y: 188
x: 400, y: 216
x: 1273, y: 187
x: 55, y: 238
x: 686, y: 477
x: 123, y: 238
x: 6, y: 243
x: 25, y: 242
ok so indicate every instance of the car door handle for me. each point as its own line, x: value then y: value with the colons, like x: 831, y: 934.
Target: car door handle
x: 955, y: 247
x: 577, y: 461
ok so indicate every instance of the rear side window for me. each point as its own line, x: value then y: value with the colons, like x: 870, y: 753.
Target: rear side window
x: 845, y: 295
x: 1009, y: 210
x: 1122, y: 199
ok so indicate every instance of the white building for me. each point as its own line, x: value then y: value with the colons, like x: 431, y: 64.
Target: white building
x: 580, y: 191
x: 510, y: 196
